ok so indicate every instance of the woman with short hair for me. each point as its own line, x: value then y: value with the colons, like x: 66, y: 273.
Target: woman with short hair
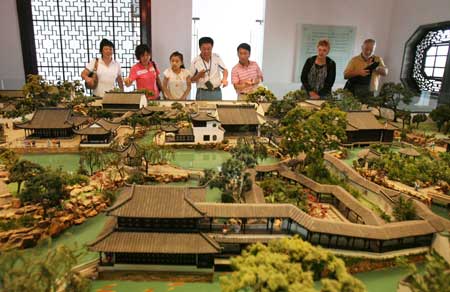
x: 145, y: 72
x: 107, y: 69
x: 319, y: 72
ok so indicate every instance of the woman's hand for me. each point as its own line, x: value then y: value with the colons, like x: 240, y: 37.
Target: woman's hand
x: 127, y: 81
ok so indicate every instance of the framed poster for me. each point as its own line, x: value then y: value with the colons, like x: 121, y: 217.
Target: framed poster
x: 342, y: 40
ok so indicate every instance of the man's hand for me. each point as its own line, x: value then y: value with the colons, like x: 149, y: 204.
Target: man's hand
x: 248, y: 82
x: 224, y: 83
x: 201, y: 74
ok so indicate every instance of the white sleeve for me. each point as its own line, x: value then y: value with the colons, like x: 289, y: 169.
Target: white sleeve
x: 166, y: 73
x: 187, y: 73
x: 221, y: 63
x: 119, y: 69
x: 90, y: 66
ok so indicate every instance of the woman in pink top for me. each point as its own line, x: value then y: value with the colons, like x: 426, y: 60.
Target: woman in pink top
x: 145, y: 73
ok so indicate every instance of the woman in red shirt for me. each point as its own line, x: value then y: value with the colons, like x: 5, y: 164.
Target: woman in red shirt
x: 145, y: 73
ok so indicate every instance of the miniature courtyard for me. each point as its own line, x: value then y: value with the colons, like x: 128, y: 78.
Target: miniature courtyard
x: 164, y: 196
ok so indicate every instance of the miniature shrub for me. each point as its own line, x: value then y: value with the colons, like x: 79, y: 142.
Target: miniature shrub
x: 136, y: 178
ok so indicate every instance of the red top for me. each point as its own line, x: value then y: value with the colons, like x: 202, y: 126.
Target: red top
x: 145, y: 78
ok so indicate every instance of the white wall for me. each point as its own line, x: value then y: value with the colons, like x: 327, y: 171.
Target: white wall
x: 210, y: 130
x: 11, y: 62
x: 371, y: 19
x: 171, y: 30
x: 407, y: 16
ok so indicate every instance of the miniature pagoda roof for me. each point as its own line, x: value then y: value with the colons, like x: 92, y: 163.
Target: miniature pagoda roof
x: 409, y: 152
x: 130, y: 150
x: 237, y: 114
x: 169, y: 128
x: 145, y: 201
x: 172, y: 128
x: 122, y: 98
x: 185, y: 131
x: 53, y: 118
x: 203, y: 116
x: 365, y: 120
x: 265, y: 106
x: 99, y: 127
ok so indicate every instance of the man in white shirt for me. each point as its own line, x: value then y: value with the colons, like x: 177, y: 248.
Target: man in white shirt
x: 208, y: 71
x: 108, y: 70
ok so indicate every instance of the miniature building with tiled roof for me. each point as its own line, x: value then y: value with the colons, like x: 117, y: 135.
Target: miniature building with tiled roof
x: 236, y: 119
x: 100, y: 131
x: 364, y: 128
x: 52, y: 123
x: 142, y: 230
x: 207, y: 128
x: 121, y: 102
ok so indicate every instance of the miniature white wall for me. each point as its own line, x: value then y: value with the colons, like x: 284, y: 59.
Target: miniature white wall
x: 210, y: 130
x: 143, y: 102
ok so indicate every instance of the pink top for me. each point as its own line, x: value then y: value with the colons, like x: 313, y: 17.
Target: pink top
x: 145, y: 78
x: 241, y: 73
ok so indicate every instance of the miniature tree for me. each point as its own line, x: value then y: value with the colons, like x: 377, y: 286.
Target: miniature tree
x: 312, y: 132
x: 136, y: 178
x: 297, y: 95
x: 97, y: 113
x: 270, y: 130
x: 22, y: 171
x: 288, y: 264
x: 279, y: 108
x: 114, y: 159
x: 404, y: 210
x: 345, y: 101
x: 46, y: 188
x: 277, y: 191
x: 92, y: 159
x: 40, y: 93
x: 249, y: 152
x: 24, y: 272
x: 153, y: 154
x: 419, y: 118
x: 8, y: 157
x: 436, y: 276
x: 232, y: 180
x: 405, y: 115
x: 135, y: 120
x: 261, y: 94
x: 393, y: 94
x: 441, y: 116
